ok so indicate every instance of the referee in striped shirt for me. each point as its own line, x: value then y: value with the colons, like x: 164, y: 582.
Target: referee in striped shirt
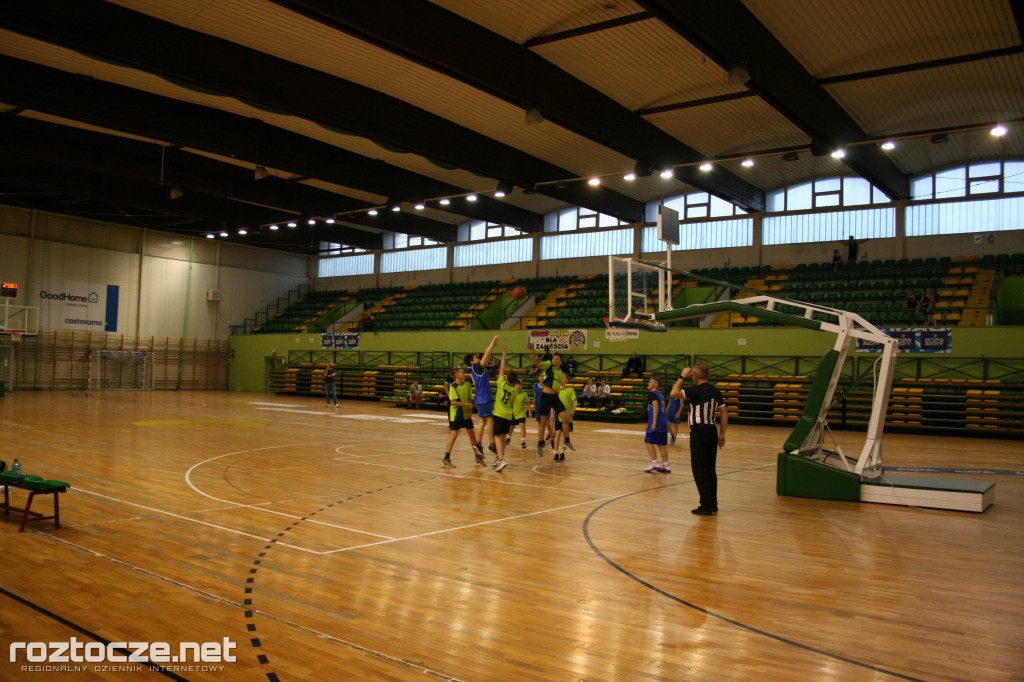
x: 706, y: 403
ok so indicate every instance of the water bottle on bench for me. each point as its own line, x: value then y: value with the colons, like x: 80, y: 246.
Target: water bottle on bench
x: 16, y: 467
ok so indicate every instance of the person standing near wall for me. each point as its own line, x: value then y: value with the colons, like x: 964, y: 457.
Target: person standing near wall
x: 706, y: 405
x: 330, y: 390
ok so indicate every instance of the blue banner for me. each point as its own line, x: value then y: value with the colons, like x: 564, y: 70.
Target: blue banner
x: 913, y: 340
x: 345, y: 341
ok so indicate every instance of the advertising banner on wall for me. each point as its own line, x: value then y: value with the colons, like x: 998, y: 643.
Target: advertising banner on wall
x: 617, y: 334
x: 571, y: 340
x: 339, y: 341
x: 79, y: 305
x: 914, y: 340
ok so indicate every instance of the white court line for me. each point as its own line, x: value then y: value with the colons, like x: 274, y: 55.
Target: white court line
x: 474, y: 525
x: 188, y: 479
x: 201, y: 523
x: 298, y: 411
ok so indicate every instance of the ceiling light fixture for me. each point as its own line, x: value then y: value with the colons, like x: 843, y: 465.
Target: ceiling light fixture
x: 888, y: 145
x: 940, y: 139
x: 242, y: 231
x: 372, y: 211
x: 738, y: 75
x: 292, y: 224
x: 629, y: 177
x: 420, y: 206
x: 643, y: 168
x: 792, y: 156
x: 311, y: 221
x: 706, y: 166
x: 273, y: 228
x: 667, y: 173
x: 260, y: 172
x: 998, y: 131
x: 329, y: 221
x: 445, y: 201
x: 470, y: 197
x: 533, y: 116
x: 209, y: 236
x: 747, y: 163
x: 176, y: 193
x: 504, y: 188
x: 839, y: 153
x: 594, y: 182
x: 396, y: 208
x: 223, y: 234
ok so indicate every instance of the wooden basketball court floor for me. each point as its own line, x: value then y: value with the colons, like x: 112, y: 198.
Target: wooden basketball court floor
x: 330, y: 544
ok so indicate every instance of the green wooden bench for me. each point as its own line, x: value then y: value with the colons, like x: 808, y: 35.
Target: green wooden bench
x: 36, y: 485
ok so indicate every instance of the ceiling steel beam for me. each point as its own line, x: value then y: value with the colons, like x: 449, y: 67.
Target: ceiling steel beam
x: 448, y: 43
x: 278, y: 200
x: 730, y: 35
x: 107, y: 31
x: 124, y: 109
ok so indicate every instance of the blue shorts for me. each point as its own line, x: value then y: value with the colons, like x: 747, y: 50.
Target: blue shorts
x: 656, y: 437
x: 485, y: 410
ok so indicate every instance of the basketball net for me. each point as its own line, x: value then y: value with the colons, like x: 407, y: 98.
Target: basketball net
x: 16, y: 334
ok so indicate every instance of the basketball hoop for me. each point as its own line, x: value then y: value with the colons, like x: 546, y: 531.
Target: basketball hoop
x: 16, y: 334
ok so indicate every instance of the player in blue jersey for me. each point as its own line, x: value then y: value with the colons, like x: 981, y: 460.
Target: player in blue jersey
x: 657, y: 428
x: 478, y: 366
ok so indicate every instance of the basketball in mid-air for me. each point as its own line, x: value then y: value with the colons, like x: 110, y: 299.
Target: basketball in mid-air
x: 519, y: 293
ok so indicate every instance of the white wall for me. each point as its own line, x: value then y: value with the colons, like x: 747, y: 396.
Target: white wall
x: 162, y: 278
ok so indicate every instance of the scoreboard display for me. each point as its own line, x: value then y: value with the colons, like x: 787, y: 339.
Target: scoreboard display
x: 8, y: 290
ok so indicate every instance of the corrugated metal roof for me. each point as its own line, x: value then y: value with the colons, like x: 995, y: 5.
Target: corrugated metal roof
x: 631, y: 67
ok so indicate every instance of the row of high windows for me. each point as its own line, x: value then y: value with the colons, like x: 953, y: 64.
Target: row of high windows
x: 964, y: 181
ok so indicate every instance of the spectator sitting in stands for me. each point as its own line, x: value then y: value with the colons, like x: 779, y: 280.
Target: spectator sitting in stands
x: 910, y: 302
x: 366, y: 322
x: 927, y: 301
x: 569, y: 367
x: 837, y: 260
x: 604, y: 395
x: 634, y: 367
x: 590, y: 397
x: 415, y: 394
